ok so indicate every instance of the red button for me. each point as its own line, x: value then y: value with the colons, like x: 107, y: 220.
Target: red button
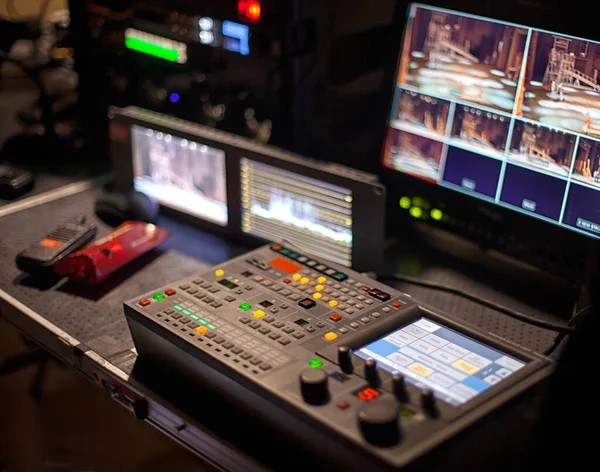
x: 396, y: 304
x: 286, y: 281
x: 169, y: 292
x: 335, y: 317
x: 366, y: 289
x: 343, y: 405
x: 144, y: 302
x: 276, y: 247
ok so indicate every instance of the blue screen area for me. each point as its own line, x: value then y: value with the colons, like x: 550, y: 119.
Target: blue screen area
x: 236, y: 37
x: 456, y: 367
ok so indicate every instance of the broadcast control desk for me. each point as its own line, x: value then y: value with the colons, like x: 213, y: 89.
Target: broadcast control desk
x: 281, y: 352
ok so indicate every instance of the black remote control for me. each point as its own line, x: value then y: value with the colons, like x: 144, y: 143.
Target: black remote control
x: 41, y: 257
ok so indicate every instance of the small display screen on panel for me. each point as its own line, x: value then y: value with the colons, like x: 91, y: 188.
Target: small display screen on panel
x: 181, y: 174
x: 502, y: 112
x: 456, y: 367
x: 281, y: 205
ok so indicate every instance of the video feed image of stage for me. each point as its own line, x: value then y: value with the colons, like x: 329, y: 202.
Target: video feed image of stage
x: 181, y: 174
x: 480, y: 131
x: 413, y: 154
x: 463, y: 58
x: 421, y: 114
x: 281, y: 205
x: 561, y: 83
x: 587, y: 162
x: 542, y: 148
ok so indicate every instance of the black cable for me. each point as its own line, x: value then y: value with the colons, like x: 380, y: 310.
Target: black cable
x: 561, y: 336
x: 559, y: 328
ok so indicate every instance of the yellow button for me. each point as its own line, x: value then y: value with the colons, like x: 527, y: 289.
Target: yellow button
x: 219, y: 272
x: 331, y: 336
x: 296, y: 277
x: 321, y: 280
x: 317, y: 295
x: 333, y: 303
x: 202, y: 329
x: 318, y: 288
x: 259, y: 314
x: 304, y: 280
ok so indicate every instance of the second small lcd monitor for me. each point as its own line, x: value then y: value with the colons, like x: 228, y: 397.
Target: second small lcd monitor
x: 248, y: 190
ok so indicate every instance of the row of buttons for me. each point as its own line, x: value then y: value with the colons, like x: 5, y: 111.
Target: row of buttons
x: 157, y: 297
x: 205, y: 331
x: 275, y: 336
x: 315, y: 265
x: 366, y: 319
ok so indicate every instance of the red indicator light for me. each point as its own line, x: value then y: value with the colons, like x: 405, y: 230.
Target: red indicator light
x: 367, y: 394
x: 249, y: 9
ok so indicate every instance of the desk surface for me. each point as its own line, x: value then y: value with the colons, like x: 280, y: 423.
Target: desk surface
x: 86, y: 326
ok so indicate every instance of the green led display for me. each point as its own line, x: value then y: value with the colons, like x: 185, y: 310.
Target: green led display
x: 437, y: 214
x: 315, y: 363
x: 187, y: 312
x: 177, y: 307
x: 194, y: 317
x: 152, y: 49
x: 158, y: 297
x: 211, y: 326
x: 416, y: 212
x: 245, y: 306
x: 203, y: 322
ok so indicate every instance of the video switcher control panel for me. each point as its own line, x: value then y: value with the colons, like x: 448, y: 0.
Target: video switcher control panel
x: 361, y: 361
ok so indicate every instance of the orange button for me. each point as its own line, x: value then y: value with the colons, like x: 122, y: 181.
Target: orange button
x: 284, y: 265
x: 144, y: 302
x: 335, y: 317
x: 330, y: 336
x: 170, y: 292
x: 396, y: 304
x: 52, y: 243
x: 286, y: 281
x: 202, y: 329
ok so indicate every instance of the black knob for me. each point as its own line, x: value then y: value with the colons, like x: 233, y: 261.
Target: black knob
x: 314, y: 386
x: 371, y: 373
x: 345, y: 359
x: 379, y: 422
x: 399, y: 388
x: 428, y: 403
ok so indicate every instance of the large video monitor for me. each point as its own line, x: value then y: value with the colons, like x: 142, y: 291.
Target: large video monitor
x: 506, y: 113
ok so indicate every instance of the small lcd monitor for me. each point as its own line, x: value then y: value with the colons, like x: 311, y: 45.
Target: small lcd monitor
x: 181, y: 174
x: 281, y: 205
x: 432, y: 356
x: 505, y: 113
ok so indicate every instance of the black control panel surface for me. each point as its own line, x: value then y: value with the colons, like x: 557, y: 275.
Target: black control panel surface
x: 357, y: 361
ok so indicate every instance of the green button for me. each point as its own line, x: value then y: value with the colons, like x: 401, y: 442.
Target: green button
x: 211, y: 326
x: 315, y: 363
x: 158, y: 297
x: 203, y: 322
x: 285, y: 251
x: 177, y: 307
x: 194, y: 317
x: 186, y: 312
x: 245, y: 306
x: 293, y: 255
